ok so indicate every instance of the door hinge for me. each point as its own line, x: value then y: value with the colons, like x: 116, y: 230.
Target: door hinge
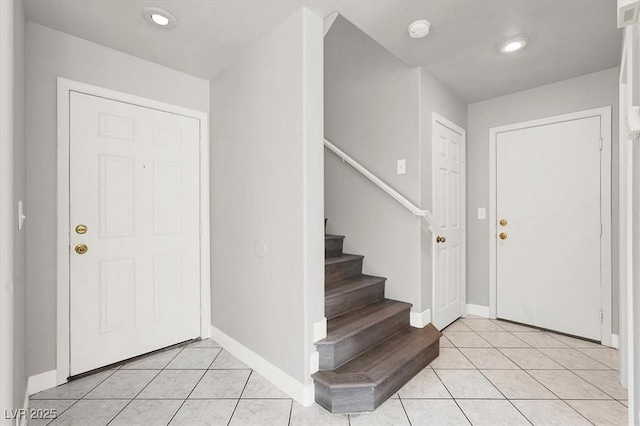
x: 601, y: 315
x: 200, y: 227
x: 600, y: 144
x: 601, y: 229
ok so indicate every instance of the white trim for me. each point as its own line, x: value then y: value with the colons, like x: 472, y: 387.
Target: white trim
x: 63, y: 326
x: 304, y: 394
x: 420, y: 319
x: 319, y: 330
x: 314, y: 364
x: 42, y: 381
x: 615, y: 341
x: 437, y: 118
x: 477, y: 310
x: 605, y: 213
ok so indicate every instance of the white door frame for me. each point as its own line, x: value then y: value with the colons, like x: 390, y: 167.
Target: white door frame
x: 605, y: 207
x: 437, y: 118
x: 63, y: 238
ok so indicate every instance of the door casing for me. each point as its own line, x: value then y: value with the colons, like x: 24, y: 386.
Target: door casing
x: 435, y: 119
x: 66, y: 86
x: 605, y: 207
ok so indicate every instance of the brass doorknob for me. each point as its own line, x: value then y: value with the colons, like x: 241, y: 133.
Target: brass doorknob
x: 503, y: 222
x: 81, y: 249
x: 81, y: 229
x: 503, y: 235
x: 440, y: 239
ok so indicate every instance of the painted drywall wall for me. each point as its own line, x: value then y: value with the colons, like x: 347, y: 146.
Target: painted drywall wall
x: 19, y: 194
x: 438, y: 98
x: 12, y: 317
x: 372, y: 107
x: 51, y: 54
x: 13, y: 379
x: 378, y: 110
x: 266, y: 186
x: 577, y: 94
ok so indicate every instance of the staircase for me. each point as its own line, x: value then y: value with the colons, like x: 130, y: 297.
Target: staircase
x: 370, y: 351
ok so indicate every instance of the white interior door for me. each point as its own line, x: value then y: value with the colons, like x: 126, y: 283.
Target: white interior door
x: 548, y: 197
x: 134, y: 185
x: 449, y: 210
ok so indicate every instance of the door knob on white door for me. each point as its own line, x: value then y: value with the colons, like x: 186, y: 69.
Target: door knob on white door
x: 440, y: 239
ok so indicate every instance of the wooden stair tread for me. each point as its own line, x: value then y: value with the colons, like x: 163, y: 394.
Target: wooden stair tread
x: 392, y: 352
x: 352, y: 322
x: 346, y: 285
x: 382, y: 361
x: 342, y: 258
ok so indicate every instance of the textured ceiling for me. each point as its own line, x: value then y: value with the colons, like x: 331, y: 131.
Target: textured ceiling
x: 567, y: 37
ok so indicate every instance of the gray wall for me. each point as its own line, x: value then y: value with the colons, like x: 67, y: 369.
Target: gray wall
x: 378, y: 110
x: 266, y: 174
x: 51, y: 54
x: 20, y: 183
x: 372, y: 107
x: 581, y: 93
x: 13, y: 380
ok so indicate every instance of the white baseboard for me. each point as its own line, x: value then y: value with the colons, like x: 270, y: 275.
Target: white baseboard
x: 615, y: 341
x: 315, y: 362
x: 319, y: 330
x: 304, y: 394
x: 42, y: 381
x: 478, y: 310
x: 420, y: 319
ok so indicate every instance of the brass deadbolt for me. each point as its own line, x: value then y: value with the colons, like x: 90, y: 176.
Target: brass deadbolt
x: 81, y: 229
x: 81, y: 248
x: 503, y: 235
x: 440, y: 239
x: 503, y: 222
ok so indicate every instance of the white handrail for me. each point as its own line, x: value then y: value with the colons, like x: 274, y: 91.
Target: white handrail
x: 417, y: 211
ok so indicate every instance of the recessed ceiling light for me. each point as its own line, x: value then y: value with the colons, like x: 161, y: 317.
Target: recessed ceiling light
x: 514, y: 45
x: 159, y: 17
x: 419, y: 29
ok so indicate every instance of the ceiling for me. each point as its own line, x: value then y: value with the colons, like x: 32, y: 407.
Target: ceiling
x: 567, y: 38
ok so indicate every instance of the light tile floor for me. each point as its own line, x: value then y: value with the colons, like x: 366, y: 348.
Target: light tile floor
x: 488, y: 373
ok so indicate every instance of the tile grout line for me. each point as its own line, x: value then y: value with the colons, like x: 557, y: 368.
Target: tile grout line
x: 541, y: 384
x: 404, y: 409
x: 196, y: 385
x: 144, y: 387
x: 450, y: 394
x: 290, y: 411
x: 597, y: 360
x: 592, y: 384
x: 492, y: 384
x: 79, y: 399
x: 546, y: 356
x: 239, y: 398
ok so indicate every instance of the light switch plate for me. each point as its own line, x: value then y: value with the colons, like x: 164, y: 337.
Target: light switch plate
x: 402, y: 167
x: 482, y: 213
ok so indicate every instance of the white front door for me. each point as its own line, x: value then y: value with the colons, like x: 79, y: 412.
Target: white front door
x: 548, y: 243
x: 449, y: 211
x: 134, y: 187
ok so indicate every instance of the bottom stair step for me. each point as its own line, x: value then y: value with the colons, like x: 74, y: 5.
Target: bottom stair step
x: 368, y: 380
